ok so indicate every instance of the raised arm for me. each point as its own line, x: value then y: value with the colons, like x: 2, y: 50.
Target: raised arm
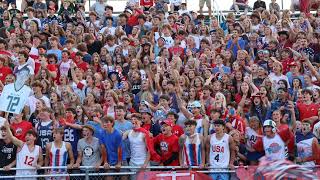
x: 14, y: 140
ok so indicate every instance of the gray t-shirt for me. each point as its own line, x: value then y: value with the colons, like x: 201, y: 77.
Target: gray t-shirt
x: 90, y: 152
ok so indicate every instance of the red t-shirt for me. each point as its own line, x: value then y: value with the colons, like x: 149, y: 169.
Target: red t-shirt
x: 168, y: 145
x: 146, y: 127
x: 20, y: 129
x: 83, y: 65
x: 287, y: 136
x: 177, y: 130
x: 177, y: 50
x: 285, y: 64
x: 50, y: 67
x: 4, y: 72
x: 307, y: 111
x: 146, y: 2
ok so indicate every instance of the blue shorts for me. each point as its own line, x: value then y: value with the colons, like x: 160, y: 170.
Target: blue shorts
x: 220, y: 176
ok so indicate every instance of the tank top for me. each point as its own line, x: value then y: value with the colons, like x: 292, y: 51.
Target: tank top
x: 219, y: 151
x: 58, y: 157
x: 27, y: 159
x: 72, y: 136
x: 138, y: 148
x: 304, y: 149
x: 44, y: 130
x: 191, y: 152
x: 274, y: 148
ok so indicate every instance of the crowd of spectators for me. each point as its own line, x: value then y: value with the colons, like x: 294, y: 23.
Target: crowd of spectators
x: 138, y: 88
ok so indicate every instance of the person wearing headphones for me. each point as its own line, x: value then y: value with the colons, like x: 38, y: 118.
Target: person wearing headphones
x: 272, y: 143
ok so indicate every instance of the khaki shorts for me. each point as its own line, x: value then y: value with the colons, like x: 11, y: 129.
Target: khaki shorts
x: 207, y: 2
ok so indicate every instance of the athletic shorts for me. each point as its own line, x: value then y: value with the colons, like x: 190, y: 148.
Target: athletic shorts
x: 207, y: 2
x: 220, y: 176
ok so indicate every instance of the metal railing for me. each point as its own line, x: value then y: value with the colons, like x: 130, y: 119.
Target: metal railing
x: 87, y: 171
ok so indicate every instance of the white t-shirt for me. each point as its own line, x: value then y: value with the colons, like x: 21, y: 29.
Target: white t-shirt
x: 111, y: 49
x: 108, y: 30
x: 274, y: 148
x: 176, y: 2
x: 64, y: 67
x: 275, y: 79
x: 32, y: 101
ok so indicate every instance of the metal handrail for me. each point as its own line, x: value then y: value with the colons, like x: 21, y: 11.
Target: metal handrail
x: 125, y: 167
x: 87, y: 172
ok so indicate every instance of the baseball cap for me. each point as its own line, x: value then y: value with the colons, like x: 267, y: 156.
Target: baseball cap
x: 196, y: 104
x: 167, y: 122
x: 128, y: 10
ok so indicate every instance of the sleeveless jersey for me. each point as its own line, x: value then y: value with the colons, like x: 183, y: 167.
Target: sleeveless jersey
x: 58, y: 157
x: 219, y: 151
x: 8, y: 153
x: 138, y: 148
x: 27, y: 159
x: 274, y: 148
x: 72, y: 136
x: 44, y: 130
x: 304, y: 149
x: 191, y: 153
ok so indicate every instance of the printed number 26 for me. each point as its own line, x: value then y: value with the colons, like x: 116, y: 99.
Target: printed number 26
x: 13, y: 103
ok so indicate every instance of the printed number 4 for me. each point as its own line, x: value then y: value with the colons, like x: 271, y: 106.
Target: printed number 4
x: 13, y: 103
x: 29, y: 160
x: 217, y: 158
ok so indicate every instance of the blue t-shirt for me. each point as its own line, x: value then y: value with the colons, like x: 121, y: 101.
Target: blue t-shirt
x: 123, y: 127
x: 57, y: 52
x: 235, y: 49
x: 98, y: 130
x: 112, y: 141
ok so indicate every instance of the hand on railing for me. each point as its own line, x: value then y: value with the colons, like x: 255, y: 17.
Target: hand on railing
x: 106, y: 166
x: 6, y: 168
x: 76, y: 166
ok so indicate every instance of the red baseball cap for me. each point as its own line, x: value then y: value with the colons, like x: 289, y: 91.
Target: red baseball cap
x: 167, y: 122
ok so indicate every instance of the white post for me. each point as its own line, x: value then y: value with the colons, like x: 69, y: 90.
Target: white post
x: 174, y: 175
